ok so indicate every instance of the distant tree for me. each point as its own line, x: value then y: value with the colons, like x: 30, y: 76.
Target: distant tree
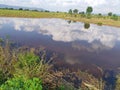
x: 26, y: 9
x: 75, y: 11
x: 5, y: 8
x: 35, y: 10
x: 57, y: 11
x: 99, y: 14
x: 82, y: 12
x: 11, y: 9
x: 70, y: 11
x: 110, y: 14
x: 89, y: 10
x: 20, y: 8
x: 47, y: 11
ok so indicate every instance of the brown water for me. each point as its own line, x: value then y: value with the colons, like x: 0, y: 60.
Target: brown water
x: 94, y: 45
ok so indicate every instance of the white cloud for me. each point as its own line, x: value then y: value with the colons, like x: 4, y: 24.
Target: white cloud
x: 95, y: 2
x: 103, y: 6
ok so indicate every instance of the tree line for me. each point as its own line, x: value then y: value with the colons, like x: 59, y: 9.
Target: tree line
x: 88, y: 13
x: 26, y: 9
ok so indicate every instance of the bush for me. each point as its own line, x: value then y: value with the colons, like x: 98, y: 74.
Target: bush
x: 21, y: 83
x: 99, y: 23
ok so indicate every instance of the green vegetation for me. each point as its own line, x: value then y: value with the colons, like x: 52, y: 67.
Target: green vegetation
x: 21, y: 83
x: 70, y: 12
x: 89, y: 10
x: 99, y: 23
x: 22, y: 69
x: 74, y: 15
x: 110, y: 14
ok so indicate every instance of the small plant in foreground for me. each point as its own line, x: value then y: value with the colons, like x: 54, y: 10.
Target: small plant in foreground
x: 21, y: 83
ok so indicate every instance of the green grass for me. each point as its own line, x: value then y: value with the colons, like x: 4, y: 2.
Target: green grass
x: 105, y: 20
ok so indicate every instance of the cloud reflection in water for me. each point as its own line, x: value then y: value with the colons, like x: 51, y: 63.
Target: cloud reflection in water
x: 60, y: 30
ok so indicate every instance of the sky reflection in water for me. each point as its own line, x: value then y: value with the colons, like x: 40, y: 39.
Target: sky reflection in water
x: 102, y: 39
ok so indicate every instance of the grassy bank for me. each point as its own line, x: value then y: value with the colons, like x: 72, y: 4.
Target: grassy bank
x: 104, y: 20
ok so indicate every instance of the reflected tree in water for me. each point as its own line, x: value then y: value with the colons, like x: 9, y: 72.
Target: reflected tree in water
x: 109, y: 77
x: 86, y: 25
x: 69, y: 21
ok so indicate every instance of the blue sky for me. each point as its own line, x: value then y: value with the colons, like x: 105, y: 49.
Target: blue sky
x: 102, y: 6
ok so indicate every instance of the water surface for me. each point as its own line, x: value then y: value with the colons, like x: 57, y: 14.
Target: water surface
x: 98, y: 45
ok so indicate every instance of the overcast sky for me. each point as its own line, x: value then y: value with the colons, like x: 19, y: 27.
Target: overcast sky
x: 102, y: 6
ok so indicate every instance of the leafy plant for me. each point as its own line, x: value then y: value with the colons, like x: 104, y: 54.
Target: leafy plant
x: 61, y: 87
x: 31, y: 66
x: 21, y: 83
x: 27, y: 59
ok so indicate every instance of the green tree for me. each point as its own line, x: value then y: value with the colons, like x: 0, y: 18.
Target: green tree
x: 26, y: 9
x: 89, y: 10
x: 99, y: 14
x: 20, y: 8
x: 82, y: 12
x: 75, y: 11
x: 11, y: 8
x: 110, y: 14
x: 70, y: 11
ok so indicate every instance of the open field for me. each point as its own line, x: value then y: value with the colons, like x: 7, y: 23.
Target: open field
x: 104, y: 20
